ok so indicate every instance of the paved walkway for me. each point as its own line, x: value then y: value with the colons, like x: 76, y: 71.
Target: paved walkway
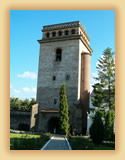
x: 58, y: 142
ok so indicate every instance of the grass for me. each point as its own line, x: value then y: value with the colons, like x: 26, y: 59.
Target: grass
x: 82, y: 143
x: 28, y: 141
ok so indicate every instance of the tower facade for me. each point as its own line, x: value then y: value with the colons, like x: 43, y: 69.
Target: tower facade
x: 64, y: 58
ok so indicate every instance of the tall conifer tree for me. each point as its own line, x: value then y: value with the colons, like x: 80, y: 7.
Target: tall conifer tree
x: 64, y: 118
x: 105, y: 88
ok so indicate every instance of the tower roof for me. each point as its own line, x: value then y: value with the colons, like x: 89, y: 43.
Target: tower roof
x: 65, y: 26
x: 65, y: 31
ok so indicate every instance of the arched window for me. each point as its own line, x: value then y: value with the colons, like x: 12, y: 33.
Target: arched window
x: 66, y: 32
x: 54, y: 34
x: 60, y: 33
x: 73, y: 31
x: 58, y: 54
x: 47, y: 35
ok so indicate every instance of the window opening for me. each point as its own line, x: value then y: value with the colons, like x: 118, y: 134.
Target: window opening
x: 54, y: 34
x: 55, y: 101
x: 66, y: 32
x: 73, y: 31
x: 58, y: 55
x: 47, y: 35
x: 54, y: 78
x: 60, y: 33
x: 67, y: 77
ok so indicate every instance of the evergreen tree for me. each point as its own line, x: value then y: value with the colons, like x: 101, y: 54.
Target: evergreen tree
x: 98, y: 98
x: 109, y: 125
x: 64, y: 118
x: 97, y: 129
x: 105, y: 88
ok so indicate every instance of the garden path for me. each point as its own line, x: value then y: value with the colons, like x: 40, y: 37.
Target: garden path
x: 57, y: 142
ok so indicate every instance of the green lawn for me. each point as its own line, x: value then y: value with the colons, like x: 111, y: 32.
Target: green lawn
x: 81, y: 143
x: 27, y: 141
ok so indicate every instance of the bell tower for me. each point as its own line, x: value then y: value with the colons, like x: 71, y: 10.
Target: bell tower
x: 64, y: 58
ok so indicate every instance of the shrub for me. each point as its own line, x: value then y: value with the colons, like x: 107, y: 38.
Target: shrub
x: 97, y: 129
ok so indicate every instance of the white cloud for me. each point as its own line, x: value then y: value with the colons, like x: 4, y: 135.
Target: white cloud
x: 34, y: 97
x: 34, y: 90
x: 93, y: 75
x: 93, y: 81
x: 91, y: 88
x: 10, y: 86
x: 102, y: 56
x: 16, y: 91
x: 97, y: 63
x: 26, y: 89
x: 28, y: 74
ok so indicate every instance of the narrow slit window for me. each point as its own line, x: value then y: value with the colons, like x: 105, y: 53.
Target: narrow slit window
x: 67, y: 77
x: 54, y: 78
x: 58, y: 55
x: 55, y: 101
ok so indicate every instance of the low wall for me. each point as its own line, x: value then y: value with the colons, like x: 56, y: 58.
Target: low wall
x: 20, y: 120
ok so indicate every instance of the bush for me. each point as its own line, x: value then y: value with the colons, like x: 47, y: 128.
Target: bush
x: 97, y: 129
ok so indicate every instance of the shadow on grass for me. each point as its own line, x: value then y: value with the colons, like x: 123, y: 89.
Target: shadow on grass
x: 81, y: 143
x: 28, y: 142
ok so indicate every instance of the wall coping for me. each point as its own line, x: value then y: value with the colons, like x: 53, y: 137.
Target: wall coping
x: 20, y: 113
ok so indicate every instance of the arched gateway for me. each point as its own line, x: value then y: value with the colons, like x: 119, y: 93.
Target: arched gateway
x: 53, y: 125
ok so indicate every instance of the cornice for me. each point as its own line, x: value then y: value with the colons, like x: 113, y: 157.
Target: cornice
x: 74, y: 37
x: 86, y: 44
x: 55, y: 39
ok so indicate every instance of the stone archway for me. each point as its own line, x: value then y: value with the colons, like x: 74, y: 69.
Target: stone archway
x: 53, y: 125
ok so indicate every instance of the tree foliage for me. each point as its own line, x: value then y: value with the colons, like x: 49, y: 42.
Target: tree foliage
x: 105, y: 88
x: 97, y: 129
x: 17, y: 104
x: 109, y: 125
x: 64, y: 118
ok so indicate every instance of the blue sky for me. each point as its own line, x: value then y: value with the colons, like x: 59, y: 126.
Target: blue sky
x: 25, y: 30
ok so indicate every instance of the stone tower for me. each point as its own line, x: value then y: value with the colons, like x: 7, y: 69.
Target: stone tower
x: 64, y: 58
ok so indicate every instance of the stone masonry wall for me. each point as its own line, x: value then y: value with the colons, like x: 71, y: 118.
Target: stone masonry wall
x: 47, y: 89
x: 18, y: 117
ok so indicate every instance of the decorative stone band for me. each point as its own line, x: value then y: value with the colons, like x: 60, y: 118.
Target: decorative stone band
x: 65, y: 26
x: 67, y: 38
